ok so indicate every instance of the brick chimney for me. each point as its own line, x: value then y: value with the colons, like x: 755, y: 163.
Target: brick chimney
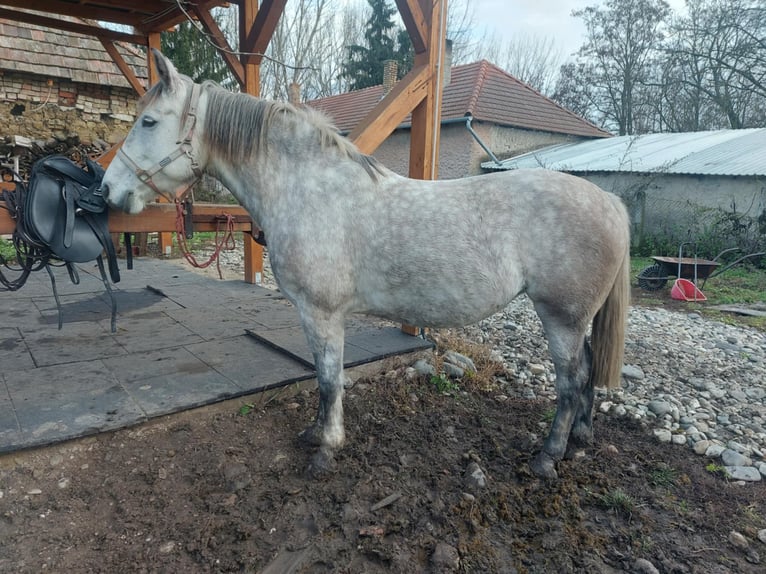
x: 294, y: 94
x: 390, y: 70
x: 447, y: 63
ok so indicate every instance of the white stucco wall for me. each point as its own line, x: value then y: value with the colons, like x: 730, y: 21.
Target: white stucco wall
x: 460, y: 154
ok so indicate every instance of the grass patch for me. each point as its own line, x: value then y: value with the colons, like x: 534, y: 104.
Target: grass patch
x: 663, y: 476
x: 7, y: 250
x: 618, y: 501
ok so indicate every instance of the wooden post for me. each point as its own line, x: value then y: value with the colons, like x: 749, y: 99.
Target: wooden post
x: 164, y: 238
x: 248, y: 11
x: 426, y: 117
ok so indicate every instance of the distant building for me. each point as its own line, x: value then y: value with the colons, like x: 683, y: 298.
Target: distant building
x: 675, y: 184
x: 57, y: 83
x: 506, y: 115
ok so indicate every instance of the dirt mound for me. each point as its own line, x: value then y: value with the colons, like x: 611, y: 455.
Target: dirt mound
x: 224, y: 490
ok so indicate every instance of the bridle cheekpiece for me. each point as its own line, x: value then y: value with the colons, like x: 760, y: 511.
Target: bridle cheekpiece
x: 185, y: 134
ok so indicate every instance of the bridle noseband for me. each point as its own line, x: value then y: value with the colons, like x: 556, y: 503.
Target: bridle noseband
x: 185, y: 133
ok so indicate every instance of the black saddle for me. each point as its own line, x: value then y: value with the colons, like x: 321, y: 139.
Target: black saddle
x: 62, y: 215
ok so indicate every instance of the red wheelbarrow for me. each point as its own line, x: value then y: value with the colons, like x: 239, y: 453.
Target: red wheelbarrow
x: 687, y: 271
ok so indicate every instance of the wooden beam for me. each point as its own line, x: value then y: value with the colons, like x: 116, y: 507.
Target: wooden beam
x: 426, y: 117
x: 162, y: 217
x: 248, y: 11
x: 391, y: 110
x: 123, y: 65
x: 80, y: 10
x: 227, y: 53
x: 415, y: 22
x: 262, y: 29
x: 57, y: 24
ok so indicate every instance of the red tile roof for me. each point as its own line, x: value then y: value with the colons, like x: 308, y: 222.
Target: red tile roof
x: 481, y: 90
x: 60, y: 54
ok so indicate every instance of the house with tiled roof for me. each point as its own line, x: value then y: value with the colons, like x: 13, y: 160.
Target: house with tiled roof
x: 56, y: 83
x: 485, y: 112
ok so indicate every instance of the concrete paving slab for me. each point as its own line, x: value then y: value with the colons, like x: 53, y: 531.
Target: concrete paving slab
x: 66, y: 401
x: 250, y: 365
x: 10, y: 431
x: 180, y: 343
x: 14, y: 354
x: 147, y: 330
x: 75, y: 342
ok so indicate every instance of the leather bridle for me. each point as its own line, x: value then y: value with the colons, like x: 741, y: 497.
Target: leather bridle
x: 185, y: 133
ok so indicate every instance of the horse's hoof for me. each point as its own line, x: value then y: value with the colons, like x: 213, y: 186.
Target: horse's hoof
x: 544, y: 467
x: 322, y: 464
x: 311, y: 435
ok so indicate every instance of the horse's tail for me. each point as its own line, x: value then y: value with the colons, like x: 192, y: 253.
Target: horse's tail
x: 608, y: 334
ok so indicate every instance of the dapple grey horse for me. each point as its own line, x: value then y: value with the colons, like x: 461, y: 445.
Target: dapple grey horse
x: 346, y: 235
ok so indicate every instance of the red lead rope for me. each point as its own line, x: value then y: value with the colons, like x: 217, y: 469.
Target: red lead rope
x: 224, y: 239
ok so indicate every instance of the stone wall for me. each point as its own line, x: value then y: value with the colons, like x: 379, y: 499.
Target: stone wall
x: 39, y: 108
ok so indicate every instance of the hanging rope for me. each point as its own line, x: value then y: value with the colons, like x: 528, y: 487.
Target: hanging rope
x: 224, y: 239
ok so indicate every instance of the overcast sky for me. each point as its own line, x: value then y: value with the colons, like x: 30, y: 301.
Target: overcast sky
x: 544, y: 18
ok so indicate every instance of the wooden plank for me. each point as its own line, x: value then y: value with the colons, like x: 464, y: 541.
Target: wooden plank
x: 248, y: 12
x: 253, y: 259
x: 391, y: 110
x: 123, y: 65
x: 262, y: 29
x: 57, y: 24
x: 415, y: 22
x: 161, y: 217
x: 220, y: 41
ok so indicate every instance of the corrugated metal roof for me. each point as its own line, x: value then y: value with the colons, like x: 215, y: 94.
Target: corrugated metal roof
x: 721, y: 152
x: 481, y: 90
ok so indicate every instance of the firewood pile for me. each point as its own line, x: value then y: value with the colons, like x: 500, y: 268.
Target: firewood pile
x: 24, y: 152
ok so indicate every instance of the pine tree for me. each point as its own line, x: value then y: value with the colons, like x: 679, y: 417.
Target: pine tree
x: 194, y: 56
x: 364, y: 64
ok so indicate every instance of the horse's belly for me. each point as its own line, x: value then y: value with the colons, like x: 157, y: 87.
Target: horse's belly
x: 445, y: 305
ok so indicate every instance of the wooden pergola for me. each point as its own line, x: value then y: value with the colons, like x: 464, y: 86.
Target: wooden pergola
x: 418, y: 93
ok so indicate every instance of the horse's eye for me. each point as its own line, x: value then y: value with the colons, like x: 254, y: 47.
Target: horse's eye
x: 148, y: 122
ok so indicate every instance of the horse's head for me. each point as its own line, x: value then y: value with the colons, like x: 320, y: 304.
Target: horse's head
x: 158, y: 157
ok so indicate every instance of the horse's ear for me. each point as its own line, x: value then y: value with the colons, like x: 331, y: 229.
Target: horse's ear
x: 166, y: 70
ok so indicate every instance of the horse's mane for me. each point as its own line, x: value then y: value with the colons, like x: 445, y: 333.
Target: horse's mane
x: 236, y: 127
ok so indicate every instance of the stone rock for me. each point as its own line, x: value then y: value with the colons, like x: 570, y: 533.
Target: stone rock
x: 738, y: 540
x: 423, y: 367
x: 632, y: 372
x: 445, y: 557
x: 453, y: 371
x: 678, y: 439
x: 643, y: 566
x: 746, y: 473
x: 475, y: 478
x: 733, y: 458
x: 702, y: 446
x: 459, y: 360
x: 663, y: 435
x: 714, y: 450
x: 536, y: 368
x: 659, y: 407
x: 762, y: 535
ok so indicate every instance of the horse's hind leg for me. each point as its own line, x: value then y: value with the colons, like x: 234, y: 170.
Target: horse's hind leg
x: 572, y: 363
x: 582, y: 427
x: 325, y: 335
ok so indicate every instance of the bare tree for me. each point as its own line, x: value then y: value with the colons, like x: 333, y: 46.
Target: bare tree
x: 622, y: 41
x: 721, y: 49
x: 529, y: 58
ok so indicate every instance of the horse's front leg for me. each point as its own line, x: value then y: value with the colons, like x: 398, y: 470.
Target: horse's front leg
x: 326, y: 338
